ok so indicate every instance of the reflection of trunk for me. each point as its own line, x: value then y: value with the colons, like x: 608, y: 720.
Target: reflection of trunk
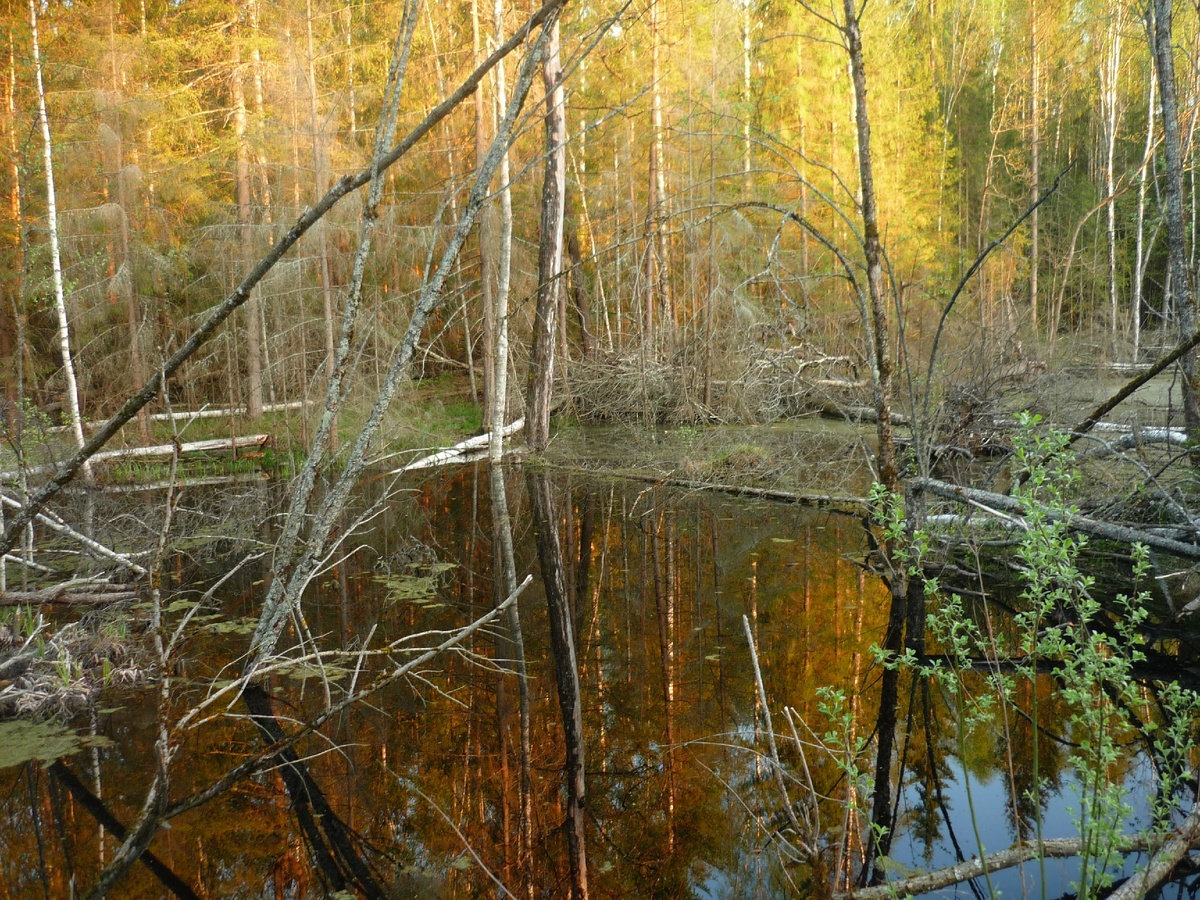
x: 885, y: 729
x: 566, y: 670
x: 504, y: 569
x: 664, y: 601
x: 107, y: 821
x: 329, y: 840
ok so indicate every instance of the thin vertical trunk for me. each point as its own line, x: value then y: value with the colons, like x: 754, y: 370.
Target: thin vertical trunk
x: 124, y: 282
x: 882, y: 377
x: 483, y: 237
x: 254, y: 391
x: 1034, y: 159
x: 541, y: 365
x: 468, y: 341
x: 566, y: 672
x: 60, y: 299
x: 264, y: 177
x: 319, y: 180
x: 658, y: 169
x: 1112, y: 71
x: 1140, y: 258
x: 1182, y: 297
x: 352, y: 100
x: 505, y: 568
x: 881, y: 354
x: 747, y: 21
x: 579, y: 294
x: 499, y: 395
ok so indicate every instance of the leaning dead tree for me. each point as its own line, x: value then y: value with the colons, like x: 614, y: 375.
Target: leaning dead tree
x: 308, y: 537
x: 217, y: 316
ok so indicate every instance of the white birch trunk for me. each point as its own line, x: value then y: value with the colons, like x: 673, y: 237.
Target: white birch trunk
x: 60, y: 300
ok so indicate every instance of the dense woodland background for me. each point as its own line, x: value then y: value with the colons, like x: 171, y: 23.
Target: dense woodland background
x: 188, y: 135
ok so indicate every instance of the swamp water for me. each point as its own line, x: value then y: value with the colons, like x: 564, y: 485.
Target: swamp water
x: 680, y: 799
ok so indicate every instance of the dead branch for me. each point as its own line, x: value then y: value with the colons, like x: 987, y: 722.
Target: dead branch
x: 1083, y: 524
x: 222, y: 311
x: 1015, y: 856
x: 460, y: 451
x: 61, y: 594
x: 159, y: 451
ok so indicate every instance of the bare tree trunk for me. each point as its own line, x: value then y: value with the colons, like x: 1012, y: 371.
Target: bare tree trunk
x: 319, y: 179
x: 1182, y: 297
x: 579, y: 294
x: 658, y: 169
x: 1140, y: 258
x: 60, y: 299
x: 1111, y: 72
x: 505, y: 567
x: 747, y: 22
x: 499, y: 394
x: 484, y: 238
x: 123, y: 282
x: 1034, y: 159
x: 881, y: 377
x: 254, y: 392
x: 881, y: 352
x: 541, y: 364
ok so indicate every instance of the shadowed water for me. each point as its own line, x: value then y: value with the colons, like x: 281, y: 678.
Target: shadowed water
x: 680, y: 796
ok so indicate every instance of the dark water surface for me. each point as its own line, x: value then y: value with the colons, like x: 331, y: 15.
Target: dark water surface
x: 679, y: 797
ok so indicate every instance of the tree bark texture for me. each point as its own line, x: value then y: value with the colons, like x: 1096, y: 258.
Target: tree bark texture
x: 541, y: 364
x: 1160, y: 27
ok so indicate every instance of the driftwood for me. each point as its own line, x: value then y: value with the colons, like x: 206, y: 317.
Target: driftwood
x: 1026, y: 852
x: 1108, y: 531
x: 851, y: 505
x: 461, y: 451
x: 57, y: 525
x: 159, y: 451
x: 189, y: 415
x: 64, y: 595
x: 859, y: 414
x: 1164, y: 859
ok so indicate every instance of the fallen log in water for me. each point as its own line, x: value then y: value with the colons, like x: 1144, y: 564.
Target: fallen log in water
x: 992, y: 502
x: 65, y: 596
x: 1183, y: 839
x: 858, y: 414
x: 459, y: 451
x: 159, y: 451
x: 188, y: 415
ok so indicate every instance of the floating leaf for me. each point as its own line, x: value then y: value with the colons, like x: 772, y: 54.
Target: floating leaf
x: 22, y: 741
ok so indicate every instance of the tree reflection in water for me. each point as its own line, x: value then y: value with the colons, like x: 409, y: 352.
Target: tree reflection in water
x: 638, y: 642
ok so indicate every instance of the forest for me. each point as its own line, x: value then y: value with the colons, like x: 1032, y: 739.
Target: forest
x: 611, y: 447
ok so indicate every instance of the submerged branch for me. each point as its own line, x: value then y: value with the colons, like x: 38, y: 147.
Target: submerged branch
x: 1023, y: 853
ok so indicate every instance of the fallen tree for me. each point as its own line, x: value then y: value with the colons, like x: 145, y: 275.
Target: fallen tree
x: 989, y: 501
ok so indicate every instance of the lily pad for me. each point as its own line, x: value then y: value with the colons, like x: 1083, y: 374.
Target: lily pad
x: 22, y: 741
